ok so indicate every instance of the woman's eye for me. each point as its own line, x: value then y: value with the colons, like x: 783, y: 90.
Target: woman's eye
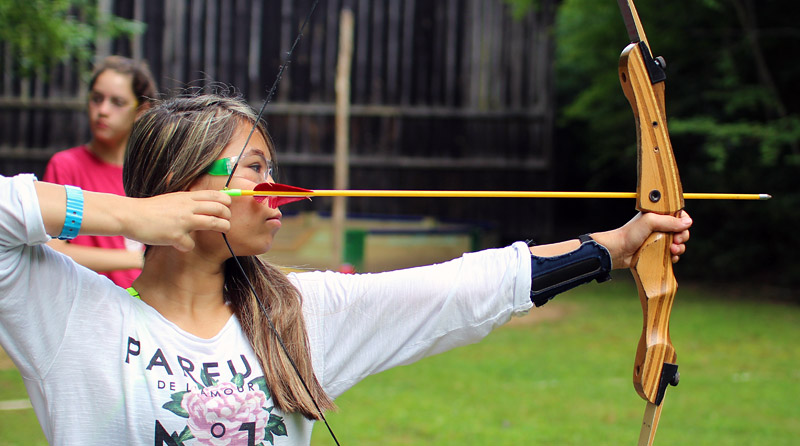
x: 259, y: 165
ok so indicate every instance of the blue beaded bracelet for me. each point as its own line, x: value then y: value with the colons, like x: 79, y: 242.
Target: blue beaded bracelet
x: 74, y: 216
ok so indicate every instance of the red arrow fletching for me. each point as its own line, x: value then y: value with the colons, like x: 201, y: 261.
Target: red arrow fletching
x: 274, y: 202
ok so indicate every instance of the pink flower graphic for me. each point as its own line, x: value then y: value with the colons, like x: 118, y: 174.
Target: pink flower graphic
x: 226, y: 415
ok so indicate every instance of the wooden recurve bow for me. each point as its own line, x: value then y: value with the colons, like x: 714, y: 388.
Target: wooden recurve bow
x: 658, y: 190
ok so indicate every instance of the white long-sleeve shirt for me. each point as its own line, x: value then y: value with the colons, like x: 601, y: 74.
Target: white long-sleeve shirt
x: 102, y: 367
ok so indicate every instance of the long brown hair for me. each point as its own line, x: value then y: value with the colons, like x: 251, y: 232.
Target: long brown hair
x: 172, y: 144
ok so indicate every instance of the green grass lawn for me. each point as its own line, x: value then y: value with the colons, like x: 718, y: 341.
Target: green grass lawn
x: 17, y: 427
x: 566, y: 380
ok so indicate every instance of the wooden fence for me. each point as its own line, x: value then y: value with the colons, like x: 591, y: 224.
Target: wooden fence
x: 446, y: 94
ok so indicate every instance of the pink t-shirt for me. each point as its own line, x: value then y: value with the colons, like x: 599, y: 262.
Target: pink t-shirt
x: 80, y: 167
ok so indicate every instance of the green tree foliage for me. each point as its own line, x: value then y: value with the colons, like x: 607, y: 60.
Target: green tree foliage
x: 519, y: 8
x: 733, y: 121
x: 43, y: 33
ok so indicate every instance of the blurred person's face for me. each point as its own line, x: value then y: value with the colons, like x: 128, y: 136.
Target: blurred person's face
x: 112, y: 108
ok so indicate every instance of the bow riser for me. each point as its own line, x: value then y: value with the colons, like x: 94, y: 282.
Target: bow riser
x: 659, y: 188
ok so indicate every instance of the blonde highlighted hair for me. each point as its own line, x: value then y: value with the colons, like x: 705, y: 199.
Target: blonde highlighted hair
x: 171, y: 145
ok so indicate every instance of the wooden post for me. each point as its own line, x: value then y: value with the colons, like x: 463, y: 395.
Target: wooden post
x: 341, y: 177
x: 103, y: 44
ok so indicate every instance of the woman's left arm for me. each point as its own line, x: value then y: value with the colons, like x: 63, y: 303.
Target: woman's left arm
x: 364, y: 323
x: 622, y: 243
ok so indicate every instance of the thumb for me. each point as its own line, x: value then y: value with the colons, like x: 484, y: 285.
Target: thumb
x: 668, y: 223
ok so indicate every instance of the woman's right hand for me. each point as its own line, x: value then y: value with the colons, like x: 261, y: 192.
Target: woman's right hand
x: 170, y: 219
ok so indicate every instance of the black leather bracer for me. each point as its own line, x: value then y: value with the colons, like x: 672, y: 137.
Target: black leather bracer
x: 554, y: 275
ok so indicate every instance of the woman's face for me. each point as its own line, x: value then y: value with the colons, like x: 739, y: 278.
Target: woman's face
x: 112, y: 107
x: 253, y: 223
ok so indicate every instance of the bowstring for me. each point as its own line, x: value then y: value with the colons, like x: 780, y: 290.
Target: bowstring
x: 263, y: 309
x: 271, y: 91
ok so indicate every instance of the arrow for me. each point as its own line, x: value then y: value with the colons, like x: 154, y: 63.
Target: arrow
x: 286, y: 191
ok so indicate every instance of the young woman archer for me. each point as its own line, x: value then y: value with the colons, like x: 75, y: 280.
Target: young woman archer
x: 186, y: 355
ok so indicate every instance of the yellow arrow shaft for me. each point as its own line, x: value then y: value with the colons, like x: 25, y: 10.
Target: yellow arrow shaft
x: 490, y: 194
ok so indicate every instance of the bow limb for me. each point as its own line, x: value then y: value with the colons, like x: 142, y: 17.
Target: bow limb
x: 658, y: 190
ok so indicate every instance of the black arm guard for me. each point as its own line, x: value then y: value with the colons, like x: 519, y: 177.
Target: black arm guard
x: 554, y: 275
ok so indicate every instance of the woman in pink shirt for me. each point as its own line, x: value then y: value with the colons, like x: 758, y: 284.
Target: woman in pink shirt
x: 120, y: 88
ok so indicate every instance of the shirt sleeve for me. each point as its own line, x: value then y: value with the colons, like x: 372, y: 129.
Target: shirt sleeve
x: 365, y: 323
x: 37, y: 284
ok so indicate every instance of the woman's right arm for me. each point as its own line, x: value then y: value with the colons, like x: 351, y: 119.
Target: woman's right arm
x: 38, y: 288
x: 99, y: 259
x: 161, y: 220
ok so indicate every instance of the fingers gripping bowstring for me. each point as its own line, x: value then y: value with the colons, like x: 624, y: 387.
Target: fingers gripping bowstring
x: 270, y: 94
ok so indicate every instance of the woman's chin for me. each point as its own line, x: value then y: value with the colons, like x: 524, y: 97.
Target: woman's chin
x: 252, y: 250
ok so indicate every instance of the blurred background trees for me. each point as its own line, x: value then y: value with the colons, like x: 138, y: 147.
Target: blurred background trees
x: 731, y: 100
x: 40, y: 34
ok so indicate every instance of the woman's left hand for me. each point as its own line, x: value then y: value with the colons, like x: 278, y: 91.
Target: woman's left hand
x: 623, y: 242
